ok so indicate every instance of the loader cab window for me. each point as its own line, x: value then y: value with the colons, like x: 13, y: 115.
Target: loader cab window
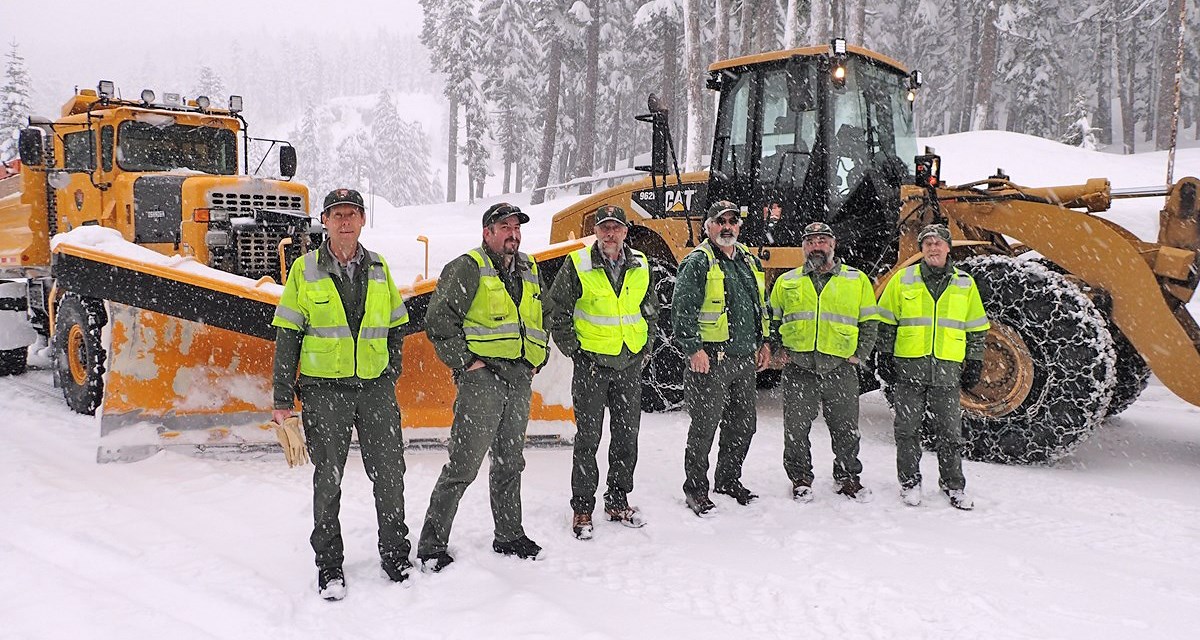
x: 788, y: 129
x: 166, y: 146
x: 78, y: 152
x: 873, y: 134
x: 732, y: 141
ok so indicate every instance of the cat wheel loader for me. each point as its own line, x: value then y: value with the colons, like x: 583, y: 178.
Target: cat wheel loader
x: 1082, y: 311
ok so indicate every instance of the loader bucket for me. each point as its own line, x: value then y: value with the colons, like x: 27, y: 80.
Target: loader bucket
x: 190, y: 354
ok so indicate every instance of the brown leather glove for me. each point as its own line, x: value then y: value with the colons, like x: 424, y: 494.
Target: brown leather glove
x: 291, y: 438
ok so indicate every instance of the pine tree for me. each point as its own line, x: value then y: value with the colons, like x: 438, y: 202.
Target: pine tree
x: 1079, y: 131
x: 14, y: 103
x: 211, y: 85
x: 311, y: 141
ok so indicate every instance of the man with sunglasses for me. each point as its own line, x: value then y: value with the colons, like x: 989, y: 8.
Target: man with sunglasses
x: 720, y: 318
x: 485, y: 322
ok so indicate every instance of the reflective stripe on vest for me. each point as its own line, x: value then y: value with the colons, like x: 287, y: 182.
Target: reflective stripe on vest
x: 925, y: 327
x: 310, y: 303
x: 494, y: 326
x: 604, y: 321
x: 825, y: 322
x: 714, y: 316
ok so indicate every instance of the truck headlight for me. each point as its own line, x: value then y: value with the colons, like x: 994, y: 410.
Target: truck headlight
x: 216, y: 238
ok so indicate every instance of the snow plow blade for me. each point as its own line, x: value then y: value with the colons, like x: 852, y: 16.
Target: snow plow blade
x: 190, y: 349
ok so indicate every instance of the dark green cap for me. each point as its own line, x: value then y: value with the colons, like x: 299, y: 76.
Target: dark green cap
x: 611, y: 212
x: 343, y: 196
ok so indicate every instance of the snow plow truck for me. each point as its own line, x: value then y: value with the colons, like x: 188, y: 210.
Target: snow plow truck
x: 1082, y: 310
x: 134, y: 240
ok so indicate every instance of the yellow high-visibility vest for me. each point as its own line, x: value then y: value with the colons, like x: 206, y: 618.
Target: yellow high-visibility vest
x: 310, y: 303
x: 495, y: 327
x: 714, y: 317
x: 828, y: 322
x: 604, y: 321
x: 925, y: 327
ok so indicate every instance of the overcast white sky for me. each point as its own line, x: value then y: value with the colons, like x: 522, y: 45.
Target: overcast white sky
x: 116, y: 39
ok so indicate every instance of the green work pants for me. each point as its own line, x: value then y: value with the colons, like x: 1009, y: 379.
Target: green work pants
x: 806, y: 392
x: 723, y: 397
x: 331, y: 410
x: 943, y: 406
x: 490, y: 413
x: 595, y: 388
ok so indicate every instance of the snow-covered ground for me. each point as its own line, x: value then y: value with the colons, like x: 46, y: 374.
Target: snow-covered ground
x: 1101, y: 544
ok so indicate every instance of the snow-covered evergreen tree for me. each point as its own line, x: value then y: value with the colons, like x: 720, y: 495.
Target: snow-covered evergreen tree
x: 313, y: 156
x: 1079, y: 131
x: 399, y: 157
x: 14, y: 102
x: 210, y: 84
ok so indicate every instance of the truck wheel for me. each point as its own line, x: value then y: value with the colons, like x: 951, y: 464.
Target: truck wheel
x: 1133, y: 374
x: 13, y: 362
x: 662, y: 378
x: 1049, y: 368
x: 79, y: 355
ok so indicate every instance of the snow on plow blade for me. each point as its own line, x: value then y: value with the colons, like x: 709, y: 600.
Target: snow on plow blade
x: 190, y: 351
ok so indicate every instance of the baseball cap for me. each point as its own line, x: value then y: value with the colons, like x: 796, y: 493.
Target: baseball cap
x: 502, y: 210
x: 817, y: 229
x: 343, y: 196
x: 611, y: 212
x: 722, y: 206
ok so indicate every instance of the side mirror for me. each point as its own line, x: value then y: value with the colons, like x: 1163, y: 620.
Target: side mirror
x: 287, y: 161
x: 29, y: 147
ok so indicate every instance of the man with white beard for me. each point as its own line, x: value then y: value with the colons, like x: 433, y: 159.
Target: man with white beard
x: 720, y: 318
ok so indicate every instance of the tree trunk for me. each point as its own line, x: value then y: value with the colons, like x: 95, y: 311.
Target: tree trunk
x: 791, y: 23
x: 1103, y: 117
x: 452, y: 154
x: 587, y: 124
x: 519, y: 177
x: 693, y: 74
x: 1166, y: 75
x: 1125, y: 90
x: 986, y: 70
x: 746, y: 22
x: 671, y: 73
x: 818, y: 22
x: 615, y: 136
x: 767, y: 16
x: 858, y: 21
x: 550, y: 126
x: 721, y: 16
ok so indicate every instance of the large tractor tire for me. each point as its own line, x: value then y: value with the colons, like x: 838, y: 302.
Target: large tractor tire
x: 1050, y: 366
x: 662, y: 378
x: 1133, y: 374
x: 79, y: 354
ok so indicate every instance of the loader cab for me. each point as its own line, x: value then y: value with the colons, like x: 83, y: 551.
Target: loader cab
x: 812, y: 135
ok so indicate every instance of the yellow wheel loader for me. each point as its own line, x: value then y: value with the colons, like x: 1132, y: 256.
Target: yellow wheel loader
x: 134, y: 238
x: 1082, y: 310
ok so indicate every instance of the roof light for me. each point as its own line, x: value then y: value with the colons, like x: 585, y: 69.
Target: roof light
x: 148, y: 96
x: 172, y: 99
x: 235, y: 104
x: 203, y: 102
x: 838, y: 47
x: 916, y: 79
x: 106, y: 89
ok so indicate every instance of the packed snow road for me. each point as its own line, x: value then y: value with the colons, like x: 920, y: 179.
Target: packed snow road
x: 1099, y: 545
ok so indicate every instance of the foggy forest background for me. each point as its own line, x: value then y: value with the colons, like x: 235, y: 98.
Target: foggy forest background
x: 544, y: 91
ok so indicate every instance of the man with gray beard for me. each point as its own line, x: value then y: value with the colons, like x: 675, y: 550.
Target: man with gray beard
x: 720, y: 318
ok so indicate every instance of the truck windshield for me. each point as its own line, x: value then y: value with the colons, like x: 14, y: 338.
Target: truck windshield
x: 144, y: 146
